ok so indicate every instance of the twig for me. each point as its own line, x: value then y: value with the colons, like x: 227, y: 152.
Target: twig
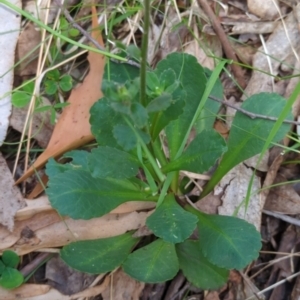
x: 282, y: 217
x: 250, y: 114
x: 229, y: 52
x: 86, y: 34
x: 76, y: 26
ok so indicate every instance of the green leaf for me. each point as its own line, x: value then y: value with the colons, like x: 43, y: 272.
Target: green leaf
x: 77, y: 194
x: 79, y: 161
x: 197, y: 269
x: 156, y: 262
x: 227, y: 242
x: 160, y: 120
x: 138, y: 114
x: 73, y: 32
x: 201, y: 154
x: 50, y: 87
x: 53, y: 168
x: 120, y: 72
x: 126, y: 138
x: 103, y: 119
x: 79, y: 158
x: 20, y: 99
x: 65, y: 83
x: 53, y: 75
x: 160, y: 103
x: 134, y: 52
x: 168, y: 81
x: 153, y: 83
x: 10, y: 258
x: 247, y: 136
x: 28, y: 87
x: 107, y: 162
x: 11, y: 278
x: 2, y: 267
x: 98, y: 256
x: 193, y: 81
x: 208, y: 114
x: 171, y: 222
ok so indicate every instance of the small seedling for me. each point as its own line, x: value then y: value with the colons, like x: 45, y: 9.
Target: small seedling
x: 10, y: 277
x: 54, y: 82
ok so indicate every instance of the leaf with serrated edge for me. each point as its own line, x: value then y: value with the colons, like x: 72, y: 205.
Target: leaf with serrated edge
x: 79, y: 157
x: 103, y: 119
x: 120, y: 73
x: 98, y: 256
x: 156, y: 262
x: 197, y: 269
x: 105, y: 162
x: 126, y: 138
x: 162, y: 119
x: 171, y: 222
x: 160, y: 103
x: 201, y: 154
x: 138, y: 114
x: 81, y: 196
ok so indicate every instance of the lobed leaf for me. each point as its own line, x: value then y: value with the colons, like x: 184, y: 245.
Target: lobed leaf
x: 120, y: 72
x: 126, y: 138
x: 161, y: 119
x: 103, y: 119
x: 106, y: 162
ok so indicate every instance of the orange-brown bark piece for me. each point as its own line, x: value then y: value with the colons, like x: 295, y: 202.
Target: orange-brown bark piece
x: 73, y: 129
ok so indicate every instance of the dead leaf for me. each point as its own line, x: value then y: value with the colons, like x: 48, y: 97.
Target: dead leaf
x: 73, y: 128
x: 66, y: 280
x: 123, y: 287
x: 42, y: 204
x: 279, y: 48
x: 41, y: 123
x: 283, y: 198
x: 234, y: 187
x: 29, y: 39
x: 205, y: 50
x: 45, y: 292
x: 11, y: 199
x: 266, y: 9
x: 47, y: 229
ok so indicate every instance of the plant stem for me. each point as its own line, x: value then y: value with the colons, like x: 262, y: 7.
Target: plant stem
x: 158, y: 152
x: 152, y: 161
x: 144, y: 52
